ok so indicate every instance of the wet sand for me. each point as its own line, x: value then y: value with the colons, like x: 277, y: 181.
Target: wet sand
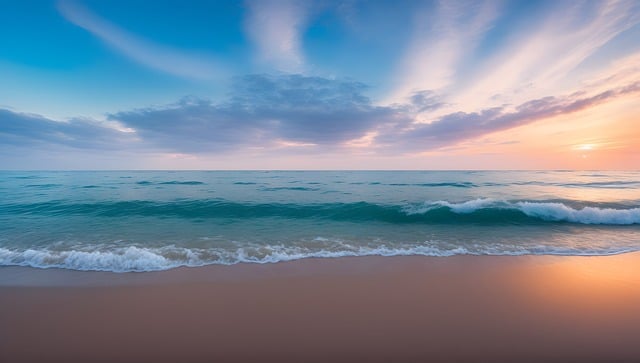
x: 368, y: 309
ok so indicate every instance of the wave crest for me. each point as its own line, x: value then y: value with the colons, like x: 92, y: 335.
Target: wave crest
x: 140, y: 259
x: 478, y: 211
x: 547, y: 211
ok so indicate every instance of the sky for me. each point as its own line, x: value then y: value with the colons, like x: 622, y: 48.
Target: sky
x: 328, y: 84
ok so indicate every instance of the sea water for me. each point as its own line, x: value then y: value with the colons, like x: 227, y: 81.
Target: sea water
x: 155, y: 220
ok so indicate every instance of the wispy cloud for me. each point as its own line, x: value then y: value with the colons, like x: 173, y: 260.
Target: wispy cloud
x: 616, y: 74
x: 442, y: 38
x: 143, y: 51
x: 275, y: 27
x: 460, y: 126
x: 538, y: 61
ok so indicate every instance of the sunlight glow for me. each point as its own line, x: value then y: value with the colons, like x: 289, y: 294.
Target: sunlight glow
x: 585, y: 147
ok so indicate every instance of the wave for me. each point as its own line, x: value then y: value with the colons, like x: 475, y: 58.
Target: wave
x: 172, y: 182
x: 141, y: 259
x: 478, y: 211
x: 586, y: 215
x: 546, y: 211
x: 430, y: 185
x: 43, y: 186
x: 175, y: 182
x: 27, y: 177
x: 276, y: 189
x: 611, y: 184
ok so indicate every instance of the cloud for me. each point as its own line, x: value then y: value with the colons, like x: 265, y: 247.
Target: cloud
x: 21, y: 129
x: 422, y: 101
x: 278, y: 114
x: 263, y: 111
x: 145, y: 52
x: 616, y: 74
x: 275, y: 27
x: 459, y: 126
x: 271, y: 111
x: 539, y: 59
x: 442, y: 37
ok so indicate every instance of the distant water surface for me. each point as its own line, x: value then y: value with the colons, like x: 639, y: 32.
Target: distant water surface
x: 154, y: 220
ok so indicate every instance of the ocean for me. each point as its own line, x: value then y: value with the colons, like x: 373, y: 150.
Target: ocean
x: 155, y: 220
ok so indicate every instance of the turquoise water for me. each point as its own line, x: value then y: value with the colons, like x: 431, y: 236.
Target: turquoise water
x: 155, y: 220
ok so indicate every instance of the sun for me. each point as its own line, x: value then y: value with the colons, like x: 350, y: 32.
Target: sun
x: 585, y: 147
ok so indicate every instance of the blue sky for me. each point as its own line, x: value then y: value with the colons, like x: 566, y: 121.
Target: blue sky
x: 319, y: 85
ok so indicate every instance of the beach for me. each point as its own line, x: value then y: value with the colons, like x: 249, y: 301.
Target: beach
x: 320, y: 181
x: 373, y: 309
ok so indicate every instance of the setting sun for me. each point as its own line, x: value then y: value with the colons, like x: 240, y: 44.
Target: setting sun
x: 586, y: 147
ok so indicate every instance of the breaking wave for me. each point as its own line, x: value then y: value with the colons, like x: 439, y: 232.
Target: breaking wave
x: 141, y: 259
x: 478, y: 211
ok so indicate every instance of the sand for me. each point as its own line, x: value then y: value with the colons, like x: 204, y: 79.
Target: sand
x: 369, y: 309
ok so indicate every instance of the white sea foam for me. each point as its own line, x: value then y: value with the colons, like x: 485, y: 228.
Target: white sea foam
x: 542, y: 210
x: 153, y: 259
x: 461, y: 208
x: 586, y: 215
x: 469, y: 206
x: 119, y: 260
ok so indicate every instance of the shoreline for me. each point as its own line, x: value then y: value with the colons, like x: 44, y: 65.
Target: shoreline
x: 17, y: 275
x: 375, y: 309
